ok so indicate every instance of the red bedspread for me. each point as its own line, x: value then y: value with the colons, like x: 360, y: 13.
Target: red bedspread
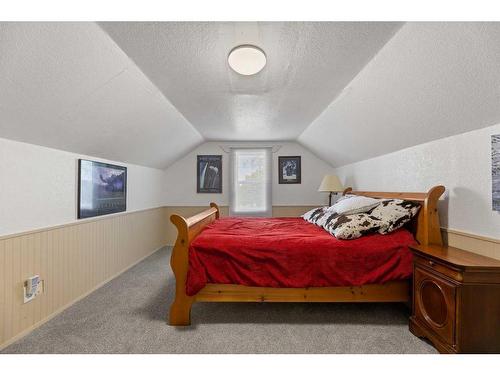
x: 292, y: 253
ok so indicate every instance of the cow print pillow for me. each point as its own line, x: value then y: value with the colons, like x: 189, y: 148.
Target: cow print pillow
x: 394, y: 213
x: 348, y: 227
x: 315, y: 215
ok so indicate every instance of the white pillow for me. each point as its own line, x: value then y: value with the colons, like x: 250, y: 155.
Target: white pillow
x: 355, y: 205
x: 347, y: 196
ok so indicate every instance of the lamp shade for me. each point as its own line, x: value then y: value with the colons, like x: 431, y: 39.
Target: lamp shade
x: 330, y: 183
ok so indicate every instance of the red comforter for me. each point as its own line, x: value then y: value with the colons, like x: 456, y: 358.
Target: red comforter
x: 292, y: 253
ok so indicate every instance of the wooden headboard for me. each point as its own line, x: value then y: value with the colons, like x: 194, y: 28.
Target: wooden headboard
x: 425, y: 226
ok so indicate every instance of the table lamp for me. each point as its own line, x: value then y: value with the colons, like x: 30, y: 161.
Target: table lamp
x: 331, y: 184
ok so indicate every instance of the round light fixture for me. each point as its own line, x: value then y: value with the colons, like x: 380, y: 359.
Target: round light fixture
x: 247, y: 60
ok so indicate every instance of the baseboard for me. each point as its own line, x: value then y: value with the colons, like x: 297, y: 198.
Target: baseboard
x: 61, y: 309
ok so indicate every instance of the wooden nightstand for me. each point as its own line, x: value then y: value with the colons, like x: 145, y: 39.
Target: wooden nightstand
x: 456, y: 299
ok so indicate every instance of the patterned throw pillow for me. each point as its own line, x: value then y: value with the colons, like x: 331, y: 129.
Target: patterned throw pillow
x: 389, y: 215
x: 394, y: 213
x: 348, y: 227
x: 321, y: 220
x: 314, y: 215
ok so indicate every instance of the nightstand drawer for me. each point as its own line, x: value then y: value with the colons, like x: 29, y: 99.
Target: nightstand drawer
x: 435, y: 302
x: 451, y: 272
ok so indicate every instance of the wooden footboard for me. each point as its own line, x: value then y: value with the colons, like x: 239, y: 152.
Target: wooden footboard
x: 187, y: 230
x: 425, y: 227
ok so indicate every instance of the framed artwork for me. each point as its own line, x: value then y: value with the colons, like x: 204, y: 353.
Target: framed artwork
x: 289, y: 170
x: 102, y: 188
x: 495, y: 171
x: 209, y: 174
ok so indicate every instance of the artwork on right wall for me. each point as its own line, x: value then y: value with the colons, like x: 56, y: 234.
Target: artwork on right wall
x: 289, y: 170
x: 495, y: 171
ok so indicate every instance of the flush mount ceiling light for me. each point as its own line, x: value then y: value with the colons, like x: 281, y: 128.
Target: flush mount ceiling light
x: 247, y: 59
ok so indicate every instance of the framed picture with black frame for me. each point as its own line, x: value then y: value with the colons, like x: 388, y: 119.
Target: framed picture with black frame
x: 102, y: 188
x: 289, y: 170
x: 209, y: 174
x: 495, y: 171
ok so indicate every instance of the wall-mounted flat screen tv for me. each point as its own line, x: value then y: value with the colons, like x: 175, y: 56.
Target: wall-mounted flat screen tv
x: 102, y: 188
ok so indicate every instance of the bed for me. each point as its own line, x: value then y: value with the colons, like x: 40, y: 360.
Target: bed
x: 289, y: 260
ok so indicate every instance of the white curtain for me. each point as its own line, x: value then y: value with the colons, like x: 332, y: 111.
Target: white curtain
x: 250, y: 187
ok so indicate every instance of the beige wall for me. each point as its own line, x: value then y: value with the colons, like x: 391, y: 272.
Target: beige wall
x: 486, y: 246
x: 73, y: 260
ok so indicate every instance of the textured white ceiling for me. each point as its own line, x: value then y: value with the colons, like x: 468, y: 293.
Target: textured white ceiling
x: 70, y: 87
x: 147, y: 93
x: 308, y: 64
x: 430, y: 81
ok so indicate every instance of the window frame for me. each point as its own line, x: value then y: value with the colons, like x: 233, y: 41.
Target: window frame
x: 267, y: 212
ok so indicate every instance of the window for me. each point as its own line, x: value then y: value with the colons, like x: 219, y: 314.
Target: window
x: 250, y: 182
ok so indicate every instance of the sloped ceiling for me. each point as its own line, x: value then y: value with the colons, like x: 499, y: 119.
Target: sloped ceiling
x: 430, y: 81
x: 308, y: 64
x: 69, y: 86
x: 147, y: 93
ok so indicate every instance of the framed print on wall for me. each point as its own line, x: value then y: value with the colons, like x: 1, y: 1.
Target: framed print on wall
x: 289, y: 170
x: 495, y: 171
x: 209, y: 174
x: 102, y: 188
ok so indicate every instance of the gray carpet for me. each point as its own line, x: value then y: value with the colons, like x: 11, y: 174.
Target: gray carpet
x: 127, y: 315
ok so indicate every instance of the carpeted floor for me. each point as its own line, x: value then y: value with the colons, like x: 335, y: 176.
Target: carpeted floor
x: 127, y: 315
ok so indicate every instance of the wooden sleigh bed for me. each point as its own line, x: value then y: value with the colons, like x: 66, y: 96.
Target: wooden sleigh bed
x: 425, y: 228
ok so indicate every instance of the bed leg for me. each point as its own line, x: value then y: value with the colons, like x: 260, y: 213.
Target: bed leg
x: 180, y: 312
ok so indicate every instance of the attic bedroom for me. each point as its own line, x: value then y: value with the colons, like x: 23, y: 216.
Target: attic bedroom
x: 229, y: 187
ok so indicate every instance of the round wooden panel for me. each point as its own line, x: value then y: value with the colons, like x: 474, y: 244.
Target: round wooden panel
x: 433, y: 303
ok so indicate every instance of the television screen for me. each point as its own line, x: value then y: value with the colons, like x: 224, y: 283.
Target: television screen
x: 102, y: 188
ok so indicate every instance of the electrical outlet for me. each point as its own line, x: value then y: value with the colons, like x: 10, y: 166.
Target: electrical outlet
x: 33, y: 286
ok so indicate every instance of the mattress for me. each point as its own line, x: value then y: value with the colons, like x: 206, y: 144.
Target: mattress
x: 292, y: 253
